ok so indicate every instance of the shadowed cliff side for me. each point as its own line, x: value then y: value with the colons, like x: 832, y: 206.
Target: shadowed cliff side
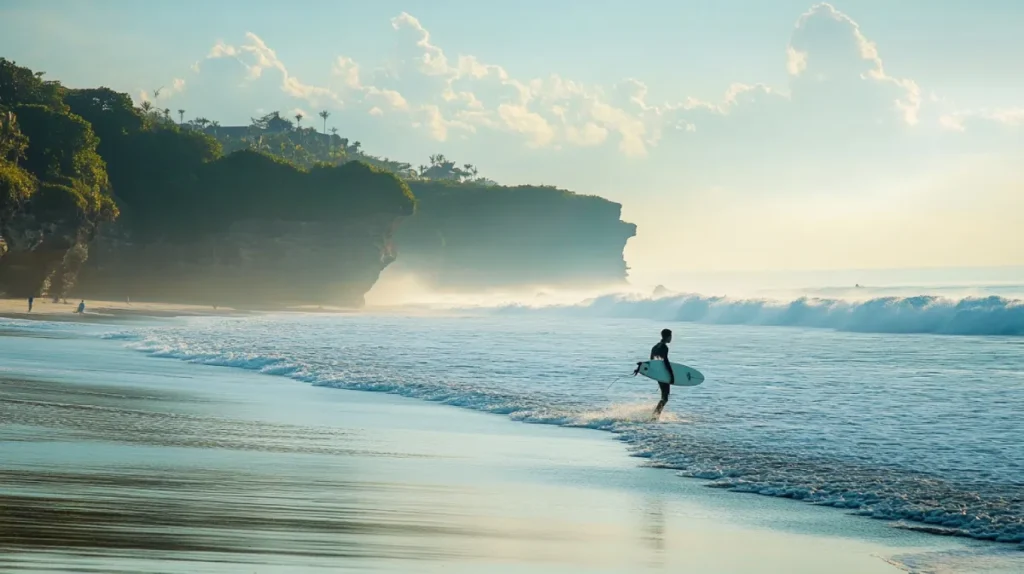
x: 469, y: 232
x: 252, y: 230
x: 472, y: 235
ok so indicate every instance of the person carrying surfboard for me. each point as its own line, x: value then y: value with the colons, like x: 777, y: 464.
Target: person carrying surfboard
x: 660, y: 351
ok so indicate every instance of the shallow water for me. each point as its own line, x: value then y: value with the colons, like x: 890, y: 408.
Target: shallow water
x: 923, y: 429
x: 117, y: 462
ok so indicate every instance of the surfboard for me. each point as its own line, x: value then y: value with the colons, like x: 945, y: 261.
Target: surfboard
x: 685, y: 376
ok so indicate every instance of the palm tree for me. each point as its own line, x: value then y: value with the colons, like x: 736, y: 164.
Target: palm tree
x: 146, y: 106
x: 167, y: 114
x: 325, y: 114
x: 215, y: 124
x: 181, y: 117
x: 334, y: 134
x: 298, y: 121
x: 355, y: 146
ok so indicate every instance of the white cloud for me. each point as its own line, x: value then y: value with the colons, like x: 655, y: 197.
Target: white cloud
x: 432, y: 59
x: 796, y: 61
x: 222, y: 50
x: 434, y: 121
x: 590, y: 134
x: 824, y: 34
x: 520, y: 119
x: 838, y: 87
x: 257, y: 58
x: 392, y: 97
x: 163, y: 92
x: 952, y: 122
x: 348, y: 70
x: 1008, y: 116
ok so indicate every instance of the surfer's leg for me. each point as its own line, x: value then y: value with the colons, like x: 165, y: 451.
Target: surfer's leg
x: 665, y: 388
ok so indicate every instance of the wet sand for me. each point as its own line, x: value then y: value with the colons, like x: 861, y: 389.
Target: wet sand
x: 111, y: 461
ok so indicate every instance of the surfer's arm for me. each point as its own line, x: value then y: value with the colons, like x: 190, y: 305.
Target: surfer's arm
x: 668, y: 366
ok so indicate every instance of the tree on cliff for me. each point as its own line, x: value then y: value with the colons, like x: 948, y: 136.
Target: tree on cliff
x: 16, y: 184
x: 12, y: 141
x: 325, y: 114
x: 61, y: 146
x: 23, y: 86
x: 16, y: 187
x: 53, y: 184
x: 441, y: 168
x: 111, y: 114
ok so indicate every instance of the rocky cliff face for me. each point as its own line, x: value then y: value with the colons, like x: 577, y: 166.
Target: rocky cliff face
x: 39, y: 257
x: 253, y: 264
x: 475, y: 237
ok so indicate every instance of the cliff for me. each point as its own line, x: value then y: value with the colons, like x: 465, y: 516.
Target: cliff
x: 252, y: 230
x: 54, y: 191
x: 258, y: 263
x: 101, y: 199
x: 471, y: 235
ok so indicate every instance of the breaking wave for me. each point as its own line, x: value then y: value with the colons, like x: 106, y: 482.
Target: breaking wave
x: 921, y: 314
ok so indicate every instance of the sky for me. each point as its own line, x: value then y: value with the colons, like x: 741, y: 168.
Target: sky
x: 739, y: 136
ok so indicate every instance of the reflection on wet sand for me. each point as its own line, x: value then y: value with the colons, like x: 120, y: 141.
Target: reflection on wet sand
x: 213, y: 512
x: 151, y: 418
x: 295, y: 502
x: 654, y: 529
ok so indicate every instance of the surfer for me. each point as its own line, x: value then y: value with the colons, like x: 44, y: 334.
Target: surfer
x: 660, y: 351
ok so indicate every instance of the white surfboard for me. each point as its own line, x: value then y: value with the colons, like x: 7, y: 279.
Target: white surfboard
x: 685, y: 376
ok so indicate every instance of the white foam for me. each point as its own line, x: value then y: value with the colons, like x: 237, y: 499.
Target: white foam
x: 743, y: 459
x: 933, y: 314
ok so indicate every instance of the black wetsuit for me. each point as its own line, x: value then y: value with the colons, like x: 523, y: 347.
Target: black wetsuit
x: 660, y: 351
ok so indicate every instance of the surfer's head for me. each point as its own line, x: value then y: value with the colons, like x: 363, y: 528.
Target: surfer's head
x: 666, y: 335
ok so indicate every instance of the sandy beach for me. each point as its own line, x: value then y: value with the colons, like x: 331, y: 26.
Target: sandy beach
x: 118, y: 462
x: 45, y: 309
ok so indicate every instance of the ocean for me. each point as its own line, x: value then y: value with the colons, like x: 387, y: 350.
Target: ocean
x: 900, y: 409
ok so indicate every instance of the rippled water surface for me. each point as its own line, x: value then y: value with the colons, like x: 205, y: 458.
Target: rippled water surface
x: 920, y: 428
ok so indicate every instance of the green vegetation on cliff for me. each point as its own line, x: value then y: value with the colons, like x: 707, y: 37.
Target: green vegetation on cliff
x: 54, y: 189
x: 133, y: 201
x: 71, y: 160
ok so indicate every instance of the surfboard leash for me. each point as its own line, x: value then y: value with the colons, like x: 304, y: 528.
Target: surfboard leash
x: 635, y: 372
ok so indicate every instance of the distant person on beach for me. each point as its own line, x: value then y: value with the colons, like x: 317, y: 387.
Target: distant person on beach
x: 30, y: 301
x: 660, y: 351
x: 81, y: 308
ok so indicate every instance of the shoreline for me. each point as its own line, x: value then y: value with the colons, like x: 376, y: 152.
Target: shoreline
x: 105, y: 310
x: 44, y: 309
x: 275, y: 423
